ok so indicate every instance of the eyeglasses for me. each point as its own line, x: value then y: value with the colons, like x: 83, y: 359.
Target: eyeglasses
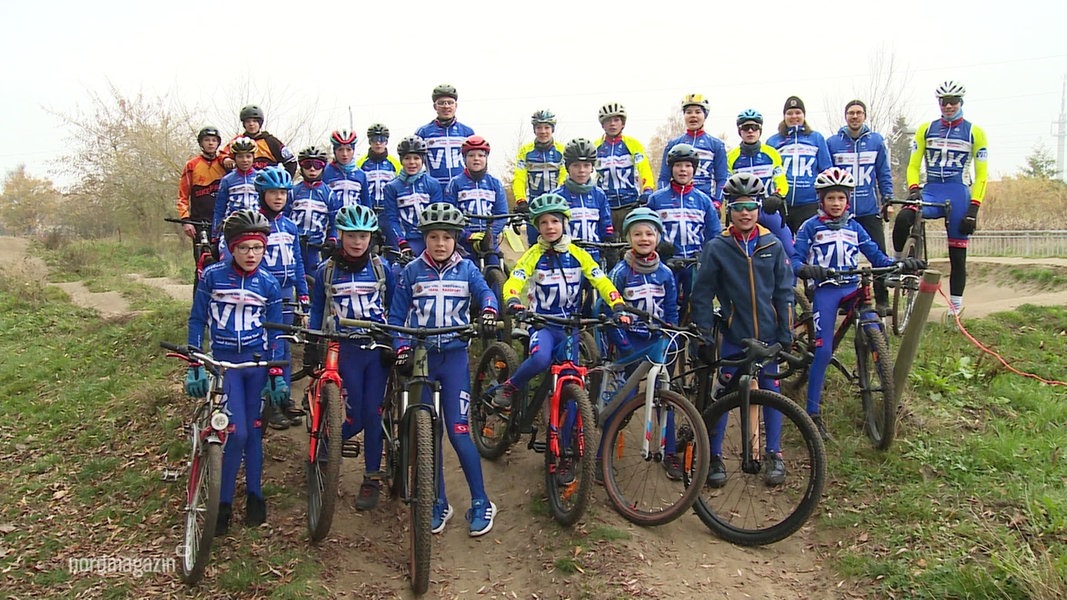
x: 749, y: 127
x: 242, y: 249
x: 951, y: 100
x: 312, y: 164
x: 445, y: 103
x: 740, y: 206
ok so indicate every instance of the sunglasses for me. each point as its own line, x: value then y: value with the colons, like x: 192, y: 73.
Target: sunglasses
x: 740, y: 206
x: 750, y: 128
x: 312, y: 164
x: 951, y: 100
x: 379, y: 138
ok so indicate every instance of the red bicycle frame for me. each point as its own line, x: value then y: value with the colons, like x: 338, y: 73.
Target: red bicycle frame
x: 328, y: 373
x: 563, y: 373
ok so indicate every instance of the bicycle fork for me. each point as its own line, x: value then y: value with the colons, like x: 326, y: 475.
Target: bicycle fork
x: 750, y: 434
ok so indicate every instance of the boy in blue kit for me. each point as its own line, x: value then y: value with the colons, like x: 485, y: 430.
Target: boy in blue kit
x: 379, y: 166
x: 407, y: 196
x: 312, y: 207
x: 438, y: 278
x: 833, y: 240
x: 356, y: 284
x: 747, y: 270
x: 342, y: 175
x: 688, y: 214
x: 282, y: 259
x: 237, y: 189
x: 234, y: 298
x: 476, y: 192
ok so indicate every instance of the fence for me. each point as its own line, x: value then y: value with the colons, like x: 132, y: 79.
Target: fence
x: 1023, y: 243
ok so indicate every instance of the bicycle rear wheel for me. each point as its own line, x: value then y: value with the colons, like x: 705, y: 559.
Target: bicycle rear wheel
x: 803, y: 341
x: 488, y: 426
x: 568, y: 494
x: 324, y: 470
x: 201, y: 507
x: 874, y: 370
x: 907, y: 290
x: 420, y: 472
x: 746, y: 510
x: 639, y: 487
x: 391, y: 437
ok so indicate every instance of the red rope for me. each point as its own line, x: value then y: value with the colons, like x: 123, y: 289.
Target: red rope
x: 991, y: 352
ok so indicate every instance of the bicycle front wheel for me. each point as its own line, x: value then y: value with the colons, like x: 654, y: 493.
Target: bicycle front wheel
x: 489, y: 426
x: 420, y: 474
x: 569, y: 474
x: 745, y: 509
x: 201, y: 508
x: 324, y: 470
x: 874, y: 371
x: 803, y: 341
x: 643, y: 489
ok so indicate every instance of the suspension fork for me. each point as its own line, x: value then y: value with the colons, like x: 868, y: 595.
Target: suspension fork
x: 749, y: 417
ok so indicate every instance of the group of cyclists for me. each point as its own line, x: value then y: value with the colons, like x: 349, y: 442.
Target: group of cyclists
x: 389, y: 238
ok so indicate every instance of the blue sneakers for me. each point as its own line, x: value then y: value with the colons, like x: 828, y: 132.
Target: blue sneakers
x: 480, y: 516
x: 442, y: 512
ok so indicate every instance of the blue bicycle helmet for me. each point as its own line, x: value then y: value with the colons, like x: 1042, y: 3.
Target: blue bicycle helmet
x: 641, y: 214
x: 356, y: 217
x: 273, y: 178
x: 748, y: 115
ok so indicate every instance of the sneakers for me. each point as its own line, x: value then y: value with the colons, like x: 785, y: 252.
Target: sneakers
x: 255, y: 511
x: 480, y: 516
x: 823, y: 433
x: 350, y: 448
x: 222, y: 524
x: 565, y: 471
x: 773, y: 469
x: 369, y: 491
x: 673, y: 465
x: 442, y: 512
x: 717, y: 472
x: 502, y: 395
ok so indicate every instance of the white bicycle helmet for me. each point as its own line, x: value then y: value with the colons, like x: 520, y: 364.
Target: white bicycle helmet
x: 835, y: 177
x: 950, y: 88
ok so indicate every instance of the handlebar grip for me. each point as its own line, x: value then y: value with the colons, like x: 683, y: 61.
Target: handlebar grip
x: 174, y: 347
x: 792, y: 359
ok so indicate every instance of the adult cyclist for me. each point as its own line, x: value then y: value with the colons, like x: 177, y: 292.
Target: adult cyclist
x: 444, y: 136
x: 539, y: 167
x: 763, y: 161
x: 377, y: 164
x: 711, y: 172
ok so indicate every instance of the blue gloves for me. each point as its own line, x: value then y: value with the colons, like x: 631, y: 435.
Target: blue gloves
x: 196, y: 381
x: 276, y: 391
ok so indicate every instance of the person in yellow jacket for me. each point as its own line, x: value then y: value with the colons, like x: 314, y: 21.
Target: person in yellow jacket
x: 539, y: 168
x: 623, y: 170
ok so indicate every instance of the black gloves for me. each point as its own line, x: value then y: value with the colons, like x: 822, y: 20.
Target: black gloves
x: 403, y: 361
x: 970, y: 221
x: 312, y: 355
x: 665, y: 250
x: 522, y: 207
x: 813, y: 272
x: 915, y: 193
x: 912, y: 264
x: 772, y: 204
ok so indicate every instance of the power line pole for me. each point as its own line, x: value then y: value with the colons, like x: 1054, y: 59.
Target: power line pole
x: 1061, y: 134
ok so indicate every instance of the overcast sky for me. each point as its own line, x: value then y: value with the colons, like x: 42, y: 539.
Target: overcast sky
x: 312, y: 63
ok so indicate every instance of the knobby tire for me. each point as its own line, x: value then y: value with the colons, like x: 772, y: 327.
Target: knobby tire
x: 324, y: 476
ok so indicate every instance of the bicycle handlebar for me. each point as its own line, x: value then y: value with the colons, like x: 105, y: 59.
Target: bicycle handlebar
x: 831, y: 273
x: 297, y: 331
x: 601, y: 245
x: 757, y: 352
x: 188, y: 222
x: 418, y: 333
x: 192, y: 354
x: 919, y: 203
x: 681, y: 262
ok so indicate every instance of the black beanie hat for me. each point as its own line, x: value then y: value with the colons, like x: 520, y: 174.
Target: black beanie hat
x: 793, y: 102
x: 858, y: 103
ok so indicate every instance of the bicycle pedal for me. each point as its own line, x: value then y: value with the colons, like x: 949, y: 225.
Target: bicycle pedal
x: 170, y: 474
x: 538, y: 446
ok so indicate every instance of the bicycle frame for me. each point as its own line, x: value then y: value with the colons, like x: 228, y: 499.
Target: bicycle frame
x: 562, y: 373
x: 654, y: 374
x: 407, y: 409
x: 328, y: 373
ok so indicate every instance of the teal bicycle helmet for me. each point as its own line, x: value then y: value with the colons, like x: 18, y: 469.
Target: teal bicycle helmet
x: 642, y: 214
x: 356, y: 217
x: 273, y: 178
x: 547, y: 204
x: 749, y: 115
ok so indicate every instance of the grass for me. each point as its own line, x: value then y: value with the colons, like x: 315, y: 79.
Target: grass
x: 970, y: 502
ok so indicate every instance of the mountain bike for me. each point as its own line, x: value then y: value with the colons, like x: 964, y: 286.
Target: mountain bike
x: 326, y: 415
x: 495, y: 276
x: 873, y: 375
x: 568, y: 443
x: 642, y: 430
x: 204, y: 252
x: 745, y: 509
x: 906, y: 287
x: 207, y: 431
x: 412, y: 439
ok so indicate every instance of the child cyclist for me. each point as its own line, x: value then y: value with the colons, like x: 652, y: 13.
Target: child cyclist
x: 747, y: 270
x: 379, y: 166
x: 343, y: 175
x: 233, y: 300
x: 237, y: 189
x: 312, y: 207
x: 646, y: 283
x: 356, y: 284
x: 832, y: 239
x: 282, y: 259
x: 476, y: 192
x: 435, y: 290
x: 407, y: 196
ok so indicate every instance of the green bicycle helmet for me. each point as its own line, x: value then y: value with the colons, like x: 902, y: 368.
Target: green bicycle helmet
x: 579, y: 149
x: 441, y: 215
x: 547, y: 204
x: 445, y: 90
x: 642, y: 214
x: 356, y: 217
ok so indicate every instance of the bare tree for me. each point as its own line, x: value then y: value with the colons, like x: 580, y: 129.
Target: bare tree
x: 882, y: 91
x: 674, y: 127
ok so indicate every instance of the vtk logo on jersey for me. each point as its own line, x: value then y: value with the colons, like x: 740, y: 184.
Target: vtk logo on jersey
x: 357, y: 300
x: 280, y: 250
x: 242, y: 308
x: 441, y: 303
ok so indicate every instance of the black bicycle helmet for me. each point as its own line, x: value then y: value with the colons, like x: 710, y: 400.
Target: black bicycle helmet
x: 206, y: 131
x: 312, y: 153
x: 579, y: 149
x: 377, y: 129
x: 743, y: 184
x: 441, y: 215
x: 245, y: 221
x: 252, y: 112
x: 412, y: 144
x: 445, y: 90
x: 243, y: 144
x: 683, y: 153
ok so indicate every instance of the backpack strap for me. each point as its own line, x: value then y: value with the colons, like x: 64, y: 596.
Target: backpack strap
x: 327, y: 282
x: 379, y: 271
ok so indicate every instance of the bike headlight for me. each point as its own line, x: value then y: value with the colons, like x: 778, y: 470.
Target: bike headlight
x: 219, y: 421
